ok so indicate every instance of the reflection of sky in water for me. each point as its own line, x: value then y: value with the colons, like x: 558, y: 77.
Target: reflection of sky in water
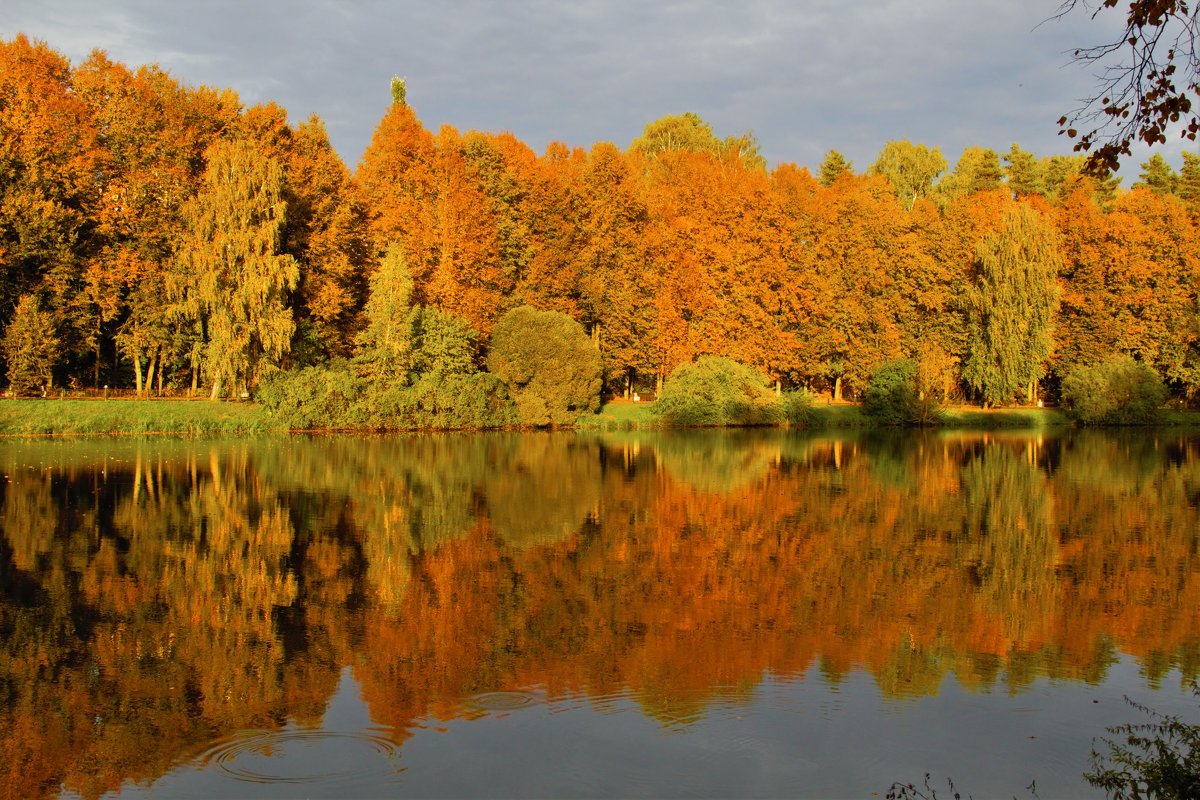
x: 797, y: 738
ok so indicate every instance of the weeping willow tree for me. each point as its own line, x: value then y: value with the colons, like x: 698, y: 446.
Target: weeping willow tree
x: 231, y: 278
x: 1011, y: 307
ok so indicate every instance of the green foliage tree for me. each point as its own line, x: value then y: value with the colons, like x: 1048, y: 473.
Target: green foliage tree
x: 833, y: 166
x: 1119, y: 391
x: 718, y: 391
x: 31, y: 346
x: 232, y: 277
x: 895, y: 396
x: 1188, y: 188
x: 385, y: 345
x: 1023, y: 172
x: 1157, y: 175
x: 910, y: 168
x: 977, y: 170
x: 1010, y: 308
x: 548, y: 363
x: 688, y: 131
x: 445, y: 344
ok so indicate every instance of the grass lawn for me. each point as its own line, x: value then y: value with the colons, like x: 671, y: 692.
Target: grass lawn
x: 975, y: 418
x: 620, y: 414
x: 178, y: 417
x: 39, y: 417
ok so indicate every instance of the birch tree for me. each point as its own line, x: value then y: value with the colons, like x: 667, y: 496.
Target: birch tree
x: 231, y: 277
x: 1011, y: 307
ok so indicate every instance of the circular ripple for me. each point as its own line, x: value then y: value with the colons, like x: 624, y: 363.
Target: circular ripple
x: 501, y: 701
x: 298, y: 757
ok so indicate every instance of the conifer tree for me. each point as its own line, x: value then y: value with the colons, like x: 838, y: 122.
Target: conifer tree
x: 1188, y: 186
x: 385, y: 346
x: 1023, y: 173
x: 832, y: 167
x: 1157, y: 175
x: 977, y: 170
x: 30, y: 346
x: 1010, y: 309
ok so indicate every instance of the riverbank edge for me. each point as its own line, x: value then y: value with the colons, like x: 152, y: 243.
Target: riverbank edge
x: 132, y: 417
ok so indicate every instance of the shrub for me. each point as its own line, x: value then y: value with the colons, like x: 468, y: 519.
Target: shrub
x: 314, y: 397
x: 548, y: 364
x: 1157, y: 759
x: 798, y: 408
x: 718, y: 391
x: 1119, y: 391
x: 473, y: 401
x: 894, y: 396
x: 335, y: 396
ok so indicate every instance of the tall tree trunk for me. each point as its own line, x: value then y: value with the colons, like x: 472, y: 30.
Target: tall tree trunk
x: 837, y: 389
x: 658, y: 384
x: 216, y: 389
x: 137, y: 372
x: 150, y: 373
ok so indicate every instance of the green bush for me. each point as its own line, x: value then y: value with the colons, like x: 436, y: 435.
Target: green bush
x: 718, y: 391
x: 1119, y: 391
x: 335, y: 396
x: 894, y: 396
x: 450, y: 402
x: 314, y: 397
x: 548, y: 364
x: 798, y: 408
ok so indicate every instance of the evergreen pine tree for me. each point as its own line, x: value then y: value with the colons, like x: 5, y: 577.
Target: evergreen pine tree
x: 833, y: 167
x: 30, y: 346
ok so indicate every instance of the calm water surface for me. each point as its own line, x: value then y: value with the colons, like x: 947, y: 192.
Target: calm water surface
x: 710, y: 614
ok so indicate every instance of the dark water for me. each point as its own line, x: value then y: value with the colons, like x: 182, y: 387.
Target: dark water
x: 711, y: 614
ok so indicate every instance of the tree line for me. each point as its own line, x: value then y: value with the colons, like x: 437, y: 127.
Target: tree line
x: 165, y: 237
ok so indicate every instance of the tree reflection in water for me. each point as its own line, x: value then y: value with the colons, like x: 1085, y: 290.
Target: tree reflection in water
x: 157, y: 596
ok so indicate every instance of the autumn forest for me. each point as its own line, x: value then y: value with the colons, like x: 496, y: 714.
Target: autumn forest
x: 164, y: 237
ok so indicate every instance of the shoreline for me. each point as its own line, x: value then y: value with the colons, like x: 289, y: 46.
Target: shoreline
x: 54, y: 417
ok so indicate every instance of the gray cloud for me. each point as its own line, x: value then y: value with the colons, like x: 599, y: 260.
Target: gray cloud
x: 804, y: 76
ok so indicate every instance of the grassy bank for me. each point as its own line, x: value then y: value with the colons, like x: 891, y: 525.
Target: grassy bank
x: 621, y: 414
x: 203, y: 418
x: 125, y: 417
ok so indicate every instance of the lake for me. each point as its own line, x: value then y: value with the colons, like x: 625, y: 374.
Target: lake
x: 680, y: 614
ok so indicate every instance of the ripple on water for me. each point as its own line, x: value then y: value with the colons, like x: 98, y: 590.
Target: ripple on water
x: 303, y: 757
x: 502, y: 701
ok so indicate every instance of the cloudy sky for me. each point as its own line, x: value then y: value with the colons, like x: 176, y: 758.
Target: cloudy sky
x: 804, y: 75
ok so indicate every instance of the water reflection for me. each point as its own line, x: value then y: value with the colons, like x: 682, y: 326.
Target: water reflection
x: 172, y: 601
